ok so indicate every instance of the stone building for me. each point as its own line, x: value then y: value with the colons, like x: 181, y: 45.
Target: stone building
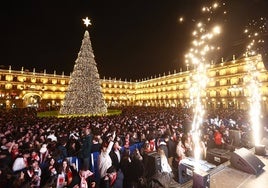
x: 226, y: 87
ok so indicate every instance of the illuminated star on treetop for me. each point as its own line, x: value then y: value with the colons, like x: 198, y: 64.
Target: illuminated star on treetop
x: 87, y: 21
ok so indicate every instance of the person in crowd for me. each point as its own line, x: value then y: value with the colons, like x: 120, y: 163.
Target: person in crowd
x: 30, y: 132
x: 104, y: 160
x: 226, y: 137
x: 115, y: 155
x: 6, y: 159
x: 7, y: 177
x: 171, y: 144
x: 21, y: 162
x: 14, y: 150
x: 62, y: 148
x: 33, y: 174
x: 52, y: 136
x: 85, y: 152
x: 146, y: 148
x: 96, y: 144
x: 37, y: 145
x: 187, y: 143
x: 73, y: 147
x: 137, y: 170
x: 85, y: 180
x: 165, y: 167
x: 180, y: 152
x: 44, y: 153
x: 113, y: 179
x: 68, y: 172
x: 208, y: 140
x: 127, y: 141
x: 163, y: 144
x: 20, y: 181
x: 49, y: 172
x: 152, y: 143
x: 126, y: 167
x: 34, y: 156
x: 142, y: 137
x: 218, y: 140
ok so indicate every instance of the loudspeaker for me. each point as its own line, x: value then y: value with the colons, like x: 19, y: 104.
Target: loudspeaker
x: 201, y: 179
x: 235, y: 136
x: 185, y: 172
x: 264, y: 141
x: 244, y: 160
x: 260, y: 150
x: 152, y: 162
x: 217, y: 156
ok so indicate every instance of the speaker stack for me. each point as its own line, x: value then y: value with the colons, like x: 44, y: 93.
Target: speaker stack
x: 185, y: 172
x: 152, y: 163
x: 260, y: 150
x: 196, y: 170
x: 235, y: 136
x: 201, y: 179
x: 218, y: 156
x: 244, y: 160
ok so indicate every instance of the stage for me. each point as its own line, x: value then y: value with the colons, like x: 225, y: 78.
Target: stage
x: 226, y: 176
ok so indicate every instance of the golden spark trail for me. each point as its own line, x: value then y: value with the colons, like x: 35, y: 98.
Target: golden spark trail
x: 255, y: 31
x: 198, y: 55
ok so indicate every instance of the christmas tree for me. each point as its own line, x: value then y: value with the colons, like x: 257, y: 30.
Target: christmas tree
x: 84, y: 93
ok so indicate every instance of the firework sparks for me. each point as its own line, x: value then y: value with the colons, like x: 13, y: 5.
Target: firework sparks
x: 202, y: 45
x: 181, y: 19
x: 255, y: 31
x: 255, y: 107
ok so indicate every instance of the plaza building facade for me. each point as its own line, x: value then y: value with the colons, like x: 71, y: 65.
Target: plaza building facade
x: 227, y: 87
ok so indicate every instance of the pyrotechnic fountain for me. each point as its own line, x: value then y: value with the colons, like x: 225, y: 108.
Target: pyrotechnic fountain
x: 198, y: 55
x: 255, y: 31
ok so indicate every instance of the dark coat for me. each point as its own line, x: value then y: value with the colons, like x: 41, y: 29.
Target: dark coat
x: 63, y: 151
x: 115, y: 160
x: 137, y: 170
x: 85, y: 151
x: 164, y: 147
x: 117, y: 184
x: 171, y: 144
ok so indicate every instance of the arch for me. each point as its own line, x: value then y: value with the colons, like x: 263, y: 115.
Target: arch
x: 31, y: 99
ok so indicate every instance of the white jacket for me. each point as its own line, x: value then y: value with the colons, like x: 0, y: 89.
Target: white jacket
x: 19, y: 164
x: 104, y: 160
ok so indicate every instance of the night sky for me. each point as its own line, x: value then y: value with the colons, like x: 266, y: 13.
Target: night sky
x: 131, y: 39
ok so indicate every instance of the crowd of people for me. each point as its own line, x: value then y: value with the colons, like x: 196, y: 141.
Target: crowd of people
x: 36, y: 152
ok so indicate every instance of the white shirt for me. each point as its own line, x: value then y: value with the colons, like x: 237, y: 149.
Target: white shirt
x: 165, y: 167
x: 52, y: 137
x: 104, y: 160
x: 19, y: 164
